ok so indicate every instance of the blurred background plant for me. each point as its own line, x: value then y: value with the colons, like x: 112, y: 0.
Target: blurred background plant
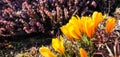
x: 19, y: 17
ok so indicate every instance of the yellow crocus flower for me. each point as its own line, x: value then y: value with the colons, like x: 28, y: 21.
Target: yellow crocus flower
x: 46, y: 52
x: 83, y: 53
x: 72, y: 29
x: 110, y: 24
x: 58, y: 45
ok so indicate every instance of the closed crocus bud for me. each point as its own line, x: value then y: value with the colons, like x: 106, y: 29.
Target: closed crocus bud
x: 58, y: 45
x: 46, y: 52
x: 110, y: 24
x: 97, y: 17
x: 83, y: 53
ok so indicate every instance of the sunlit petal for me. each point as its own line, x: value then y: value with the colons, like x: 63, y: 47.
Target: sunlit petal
x: 58, y: 45
x: 74, y: 31
x: 46, y: 52
x: 65, y: 31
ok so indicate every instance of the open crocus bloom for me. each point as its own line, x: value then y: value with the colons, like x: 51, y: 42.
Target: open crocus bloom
x: 85, y: 24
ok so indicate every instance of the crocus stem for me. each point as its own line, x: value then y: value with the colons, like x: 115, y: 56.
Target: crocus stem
x: 91, y: 49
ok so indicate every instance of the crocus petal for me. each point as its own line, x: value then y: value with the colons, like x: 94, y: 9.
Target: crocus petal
x: 83, y: 53
x: 62, y: 45
x: 80, y: 23
x: 83, y: 20
x: 74, y: 31
x: 89, y: 27
x: 73, y: 20
x: 46, y: 52
x: 65, y: 31
x: 97, y: 17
